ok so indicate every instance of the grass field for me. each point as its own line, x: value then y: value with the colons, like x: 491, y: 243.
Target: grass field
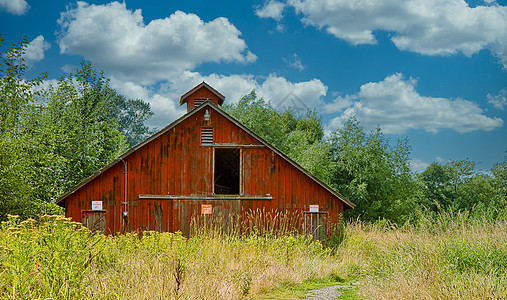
x: 447, y: 257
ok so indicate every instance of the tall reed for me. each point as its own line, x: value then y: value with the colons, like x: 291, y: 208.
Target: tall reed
x: 258, y: 222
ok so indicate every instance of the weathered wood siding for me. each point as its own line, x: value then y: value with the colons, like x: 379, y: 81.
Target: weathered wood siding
x: 175, y: 163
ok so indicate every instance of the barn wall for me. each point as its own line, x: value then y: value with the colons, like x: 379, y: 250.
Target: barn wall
x: 175, y: 163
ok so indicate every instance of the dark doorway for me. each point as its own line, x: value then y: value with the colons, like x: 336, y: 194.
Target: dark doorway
x: 95, y: 220
x: 316, y: 224
x: 227, y: 171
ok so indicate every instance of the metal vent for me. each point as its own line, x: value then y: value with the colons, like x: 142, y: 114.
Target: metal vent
x: 198, y: 102
x: 206, y: 136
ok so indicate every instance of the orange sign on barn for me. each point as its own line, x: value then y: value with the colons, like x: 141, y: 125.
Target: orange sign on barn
x: 206, y: 209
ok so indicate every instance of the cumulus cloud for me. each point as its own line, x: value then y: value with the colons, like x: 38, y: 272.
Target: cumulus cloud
x: 164, y: 99
x: 499, y: 101
x: 272, y: 88
x: 271, y: 9
x: 339, y: 104
x: 117, y: 40
x: 36, y: 48
x: 396, y: 106
x: 15, y: 7
x: 429, y: 27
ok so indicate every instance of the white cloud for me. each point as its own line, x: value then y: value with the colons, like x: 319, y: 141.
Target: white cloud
x: 273, y: 88
x: 499, y: 101
x: 36, y: 48
x: 165, y: 98
x: 15, y: 7
x: 429, y: 27
x: 271, y: 9
x: 418, y: 165
x: 294, y: 62
x: 117, y: 40
x: 69, y: 68
x: 339, y: 104
x: 441, y: 160
x: 396, y: 106
x: 163, y: 101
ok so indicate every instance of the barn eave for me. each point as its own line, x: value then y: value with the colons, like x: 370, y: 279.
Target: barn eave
x: 61, y: 200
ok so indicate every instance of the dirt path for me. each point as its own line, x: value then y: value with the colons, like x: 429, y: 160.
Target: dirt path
x: 327, y: 293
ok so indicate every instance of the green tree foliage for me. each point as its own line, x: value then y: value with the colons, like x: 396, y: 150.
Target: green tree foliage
x: 298, y: 137
x: 373, y: 174
x: 16, y: 96
x: 457, y: 186
x: 261, y: 117
x: 50, y: 139
x: 437, y: 190
x: 98, y: 102
x: 75, y: 131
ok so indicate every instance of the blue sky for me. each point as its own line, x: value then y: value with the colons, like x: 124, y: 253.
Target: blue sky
x: 434, y: 71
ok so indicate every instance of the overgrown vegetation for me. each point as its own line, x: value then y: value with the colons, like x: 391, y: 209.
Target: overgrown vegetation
x: 450, y: 256
x: 446, y: 257
x: 54, y: 257
x: 52, y: 137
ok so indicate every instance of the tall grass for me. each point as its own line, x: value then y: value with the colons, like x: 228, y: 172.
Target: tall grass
x: 449, y: 256
x: 59, y: 259
x: 258, y: 222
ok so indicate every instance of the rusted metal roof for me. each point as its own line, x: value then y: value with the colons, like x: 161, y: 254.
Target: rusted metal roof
x: 221, y: 97
x: 209, y: 105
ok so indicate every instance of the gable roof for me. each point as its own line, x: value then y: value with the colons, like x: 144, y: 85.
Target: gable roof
x: 221, y: 97
x: 348, y: 204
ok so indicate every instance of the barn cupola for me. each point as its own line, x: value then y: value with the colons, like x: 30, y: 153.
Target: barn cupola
x: 200, y: 94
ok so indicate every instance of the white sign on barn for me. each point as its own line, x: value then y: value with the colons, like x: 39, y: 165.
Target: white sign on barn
x: 96, y: 205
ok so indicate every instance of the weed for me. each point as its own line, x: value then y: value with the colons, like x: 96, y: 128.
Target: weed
x: 450, y: 256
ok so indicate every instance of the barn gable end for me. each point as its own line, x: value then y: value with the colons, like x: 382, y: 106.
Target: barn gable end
x: 204, y: 158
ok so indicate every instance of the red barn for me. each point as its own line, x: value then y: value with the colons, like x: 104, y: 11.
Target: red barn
x: 204, y: 162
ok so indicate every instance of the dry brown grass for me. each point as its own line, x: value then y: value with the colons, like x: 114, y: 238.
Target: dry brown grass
x: 458, y: 259
x: 449, y: 257
x: 213, y: 268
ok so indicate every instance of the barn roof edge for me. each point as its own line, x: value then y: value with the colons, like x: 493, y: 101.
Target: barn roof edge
x: 208, y: 103
x: 221, y: 97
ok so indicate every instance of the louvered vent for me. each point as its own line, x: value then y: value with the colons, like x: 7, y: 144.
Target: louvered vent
x: 206, y: 136
x: 198, y: 102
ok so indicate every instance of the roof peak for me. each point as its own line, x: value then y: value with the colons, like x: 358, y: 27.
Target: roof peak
x: 192, y: 94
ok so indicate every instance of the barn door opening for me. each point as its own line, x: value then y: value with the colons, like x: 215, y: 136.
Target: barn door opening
x: 94, y: 220
x: 315, y: 224
x: 227, y: 171
x: 158, y: 214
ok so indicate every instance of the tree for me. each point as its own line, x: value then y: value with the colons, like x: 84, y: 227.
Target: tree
x: 77, y: 129
x: 16, y: 96
x: 457, y: 186
x: 373, y: 174
x: 437, y: 189
x: 105, y: 103
x: 52, y: 139
x: 499, y: 183
x: 132, y: 115
x: 259, y: 116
